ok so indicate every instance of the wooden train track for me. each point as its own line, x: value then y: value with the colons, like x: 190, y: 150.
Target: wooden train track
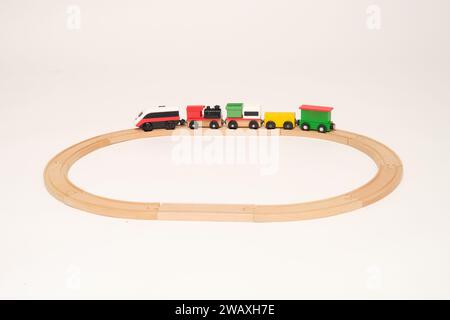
x: 385, y: 181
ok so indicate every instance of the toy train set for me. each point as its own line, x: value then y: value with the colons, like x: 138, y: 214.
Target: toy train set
x: 238, y: 115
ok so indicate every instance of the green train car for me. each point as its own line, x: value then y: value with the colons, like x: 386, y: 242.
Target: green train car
x: 243, y: 116
x: 315, y: 118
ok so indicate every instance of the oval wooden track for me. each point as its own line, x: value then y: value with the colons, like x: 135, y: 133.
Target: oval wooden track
x: 385, y: 181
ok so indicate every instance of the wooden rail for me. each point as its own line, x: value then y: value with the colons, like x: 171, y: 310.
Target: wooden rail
x: 386, y: 180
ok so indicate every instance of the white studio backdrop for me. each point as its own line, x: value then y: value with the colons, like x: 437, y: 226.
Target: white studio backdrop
x: 70, y: 70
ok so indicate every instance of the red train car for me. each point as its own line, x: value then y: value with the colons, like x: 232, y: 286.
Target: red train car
x: 204, y: 116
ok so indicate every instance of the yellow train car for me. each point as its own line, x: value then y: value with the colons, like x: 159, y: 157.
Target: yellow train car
x: 285, y: 120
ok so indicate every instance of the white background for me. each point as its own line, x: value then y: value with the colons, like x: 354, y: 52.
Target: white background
x: 61, y: 82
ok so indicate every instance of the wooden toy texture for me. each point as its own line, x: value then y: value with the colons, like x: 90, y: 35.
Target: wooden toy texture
x: 389, y: 175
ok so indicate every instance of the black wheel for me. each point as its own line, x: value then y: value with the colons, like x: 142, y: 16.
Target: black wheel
x: 182, y: 122
x: 170, y: 125
x: 321, y: 128
x: 253, y: 124
x: 288, y: 125
x: 147, y: 126
x: 270, y: 125
x: 214, y: 125
x: 232, y: 124
x: 193, y: 125
x: 332, y: 126
x: 305, y: 127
